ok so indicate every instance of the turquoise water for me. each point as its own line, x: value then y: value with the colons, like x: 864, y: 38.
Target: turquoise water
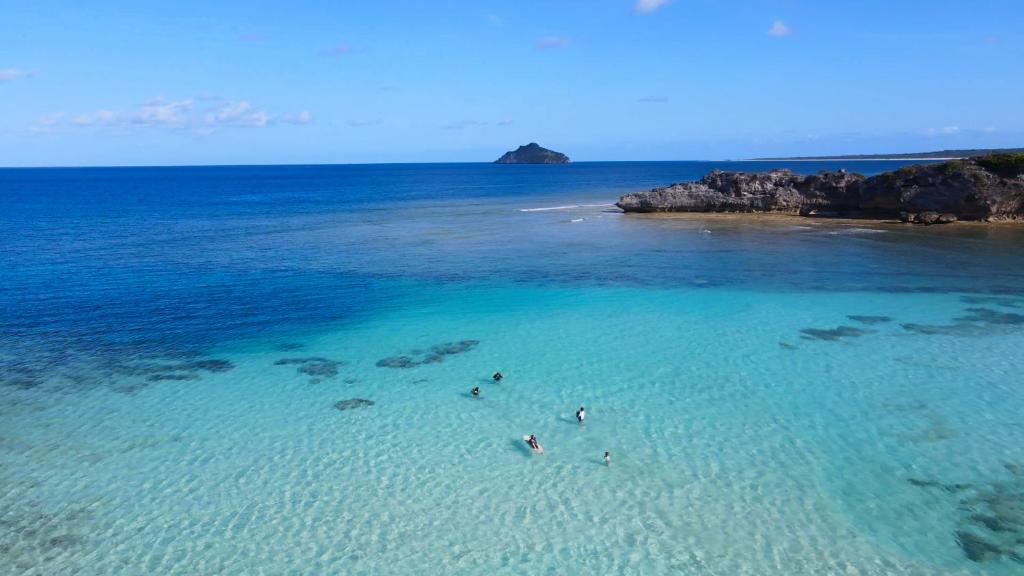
x: 754, y: 427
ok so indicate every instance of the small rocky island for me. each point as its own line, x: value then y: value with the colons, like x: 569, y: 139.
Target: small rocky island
x: 532, y: 153
x: 981, y: 188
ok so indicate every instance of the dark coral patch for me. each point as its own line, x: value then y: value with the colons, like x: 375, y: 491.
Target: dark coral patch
x: 353, y: 403
x: 863, y: 319
x: 435, y: 355
x: 172, y: 377
x: 213, y: 365
x: 1004, y: 301
x: 832, y: 334
x: 328, y: 369
x: 315, y: 366
x: 976, y: 322
x: 397, y: 362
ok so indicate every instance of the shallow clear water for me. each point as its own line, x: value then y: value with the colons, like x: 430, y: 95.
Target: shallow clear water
x: 754, y: 427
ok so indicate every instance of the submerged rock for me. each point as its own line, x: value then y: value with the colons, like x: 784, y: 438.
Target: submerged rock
x: 977, y: 322
x: 213, y: 365
x: 976, y: 548
x: 397, y: 362
x: 328, y: 369
x: 353, y: 403
x: 869, y: 319
x: 436, y: 354
x: 171, y: 377
x: 833, y: 334
x: 972, y: 189
x: 316, y: 366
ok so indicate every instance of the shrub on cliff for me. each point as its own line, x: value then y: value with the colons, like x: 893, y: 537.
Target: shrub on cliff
x: 1003, y: 164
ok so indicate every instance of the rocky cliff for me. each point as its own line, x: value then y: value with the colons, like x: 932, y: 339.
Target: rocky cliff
x: 984, y: 188
x: 532, y: 153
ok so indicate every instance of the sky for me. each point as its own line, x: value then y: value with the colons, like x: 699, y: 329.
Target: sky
x: 345, y: 81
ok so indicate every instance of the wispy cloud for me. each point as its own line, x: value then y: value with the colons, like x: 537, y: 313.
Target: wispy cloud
x: 944, y: 131
x: 495, y: 19
x: 176, y: 115
x: 648, y: 6
x: 363, y: 122
x: 342, y: 49
x: 464, y: 124
x: 253, y: 37
x: 779, y: 29
x: 551, y: 42
x: 504, y: 122
x: 653, y: 99
x: 47, y: 122
x: 11, y: 74
x: 303, y: 117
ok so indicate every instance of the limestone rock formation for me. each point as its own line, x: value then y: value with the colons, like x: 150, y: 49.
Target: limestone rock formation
x: 983, y: 188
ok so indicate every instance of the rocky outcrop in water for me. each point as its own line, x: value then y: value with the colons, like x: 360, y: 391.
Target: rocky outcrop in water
x: 984, y: 188
x: 532, y: 153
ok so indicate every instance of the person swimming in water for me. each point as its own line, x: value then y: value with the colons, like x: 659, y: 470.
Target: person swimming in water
x: 581, y: 415
x: 497, y: 377
x: 475, y: 391
x: 607, y: 458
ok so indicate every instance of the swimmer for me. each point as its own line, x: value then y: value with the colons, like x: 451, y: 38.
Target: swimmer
x: 497, y: 377
x: 475, y: 391
x: 607, y: 459
x: 581, y: 415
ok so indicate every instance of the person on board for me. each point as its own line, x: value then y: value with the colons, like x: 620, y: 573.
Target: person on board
x: 475, y: 391
x: 607, y: 458
x: 497, y: 377
x: 581, y: 415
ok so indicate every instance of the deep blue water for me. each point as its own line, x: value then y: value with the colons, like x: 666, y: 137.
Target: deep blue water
x: 183, y: 257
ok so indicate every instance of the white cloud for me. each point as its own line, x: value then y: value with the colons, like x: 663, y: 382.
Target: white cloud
x: 303, y: 117
x: 464, y: 124
x: 240, y: 113
x: 10, y: 74
x: 159, y: 111
x: 944, y: 131
x: 549, y: 42
x: 648, y: 6
x: 180, y: 115
x: 47, y: 122
x: 779, y: 29
x: 101, y: 117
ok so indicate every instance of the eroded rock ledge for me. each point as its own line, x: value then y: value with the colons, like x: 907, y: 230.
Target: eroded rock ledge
x: 984, y: 188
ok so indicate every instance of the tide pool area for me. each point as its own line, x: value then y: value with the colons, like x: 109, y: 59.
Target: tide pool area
x: 237, y: 383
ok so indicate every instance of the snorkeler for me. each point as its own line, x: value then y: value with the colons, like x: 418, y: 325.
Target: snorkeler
x: 497, y: 377
x: 581, y: 415
x: 475, y: 391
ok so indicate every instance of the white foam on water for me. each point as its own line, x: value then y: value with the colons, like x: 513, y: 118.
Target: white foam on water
x: 567, y: 207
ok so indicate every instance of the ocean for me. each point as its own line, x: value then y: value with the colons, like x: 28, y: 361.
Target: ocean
x: 267, y: 370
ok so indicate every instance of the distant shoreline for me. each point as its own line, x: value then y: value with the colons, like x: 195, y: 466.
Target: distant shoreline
x: 836, y: 159
x: 937, y: 155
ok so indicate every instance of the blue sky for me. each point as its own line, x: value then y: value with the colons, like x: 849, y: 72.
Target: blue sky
x: 206, y: 82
